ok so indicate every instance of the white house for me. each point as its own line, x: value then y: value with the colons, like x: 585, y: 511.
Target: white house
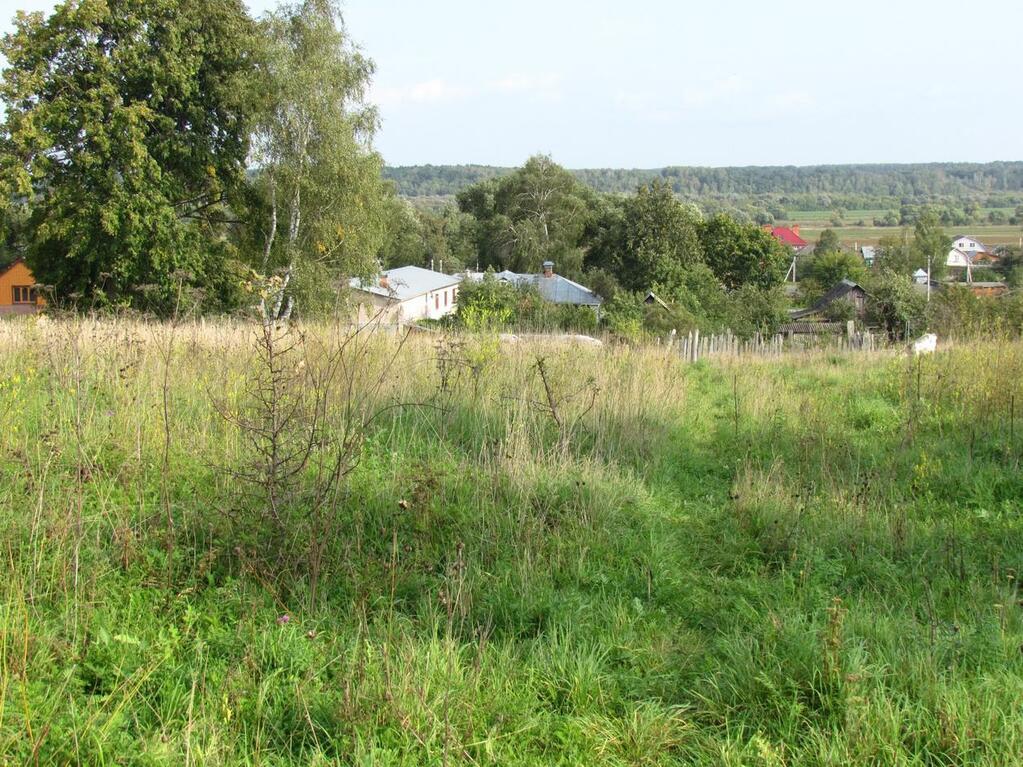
x: 406, y: 294
x: 552, y: 287
x: 968, y: 252
x: 969, y: 245
x: 920, y: 276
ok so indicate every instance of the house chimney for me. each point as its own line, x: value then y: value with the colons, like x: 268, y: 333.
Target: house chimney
x: 795, y: 229
x: 383, y: 282
x: 548, y: 268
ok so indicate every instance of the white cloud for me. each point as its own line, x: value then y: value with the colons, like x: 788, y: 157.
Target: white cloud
x: 544, y: 85
x: 435, y: 91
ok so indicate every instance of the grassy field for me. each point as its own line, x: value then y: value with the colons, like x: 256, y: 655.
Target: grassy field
x: 813, y: 222
x: 869, y: 235
x: 542, y: 555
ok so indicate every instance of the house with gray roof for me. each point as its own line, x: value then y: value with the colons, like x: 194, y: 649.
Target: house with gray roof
x: 552, y: 287
x: 406, y: 294
x: 844, y: 290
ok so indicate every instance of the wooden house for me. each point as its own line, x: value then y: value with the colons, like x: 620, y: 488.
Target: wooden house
x: 846, y: 290
x: 18, y: 291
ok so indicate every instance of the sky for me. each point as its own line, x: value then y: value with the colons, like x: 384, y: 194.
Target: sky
x: 649, y: 83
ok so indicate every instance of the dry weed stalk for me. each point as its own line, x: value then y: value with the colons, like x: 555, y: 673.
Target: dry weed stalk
x: 306, y: 408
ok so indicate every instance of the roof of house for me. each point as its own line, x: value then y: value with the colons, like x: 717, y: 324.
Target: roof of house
x: 556, y: 289
x: 869, y: 252
x: 920, y: 273
x: 7, y: 267
x: 786, y: 236
x: 969, y: 237
x: 987, y: 285
x: 840, y: 290
x: 406, y: 282
x: 653, y: 298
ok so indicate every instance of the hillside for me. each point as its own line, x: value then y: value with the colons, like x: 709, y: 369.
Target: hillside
x: 895, y: 181
x: 801, y: 561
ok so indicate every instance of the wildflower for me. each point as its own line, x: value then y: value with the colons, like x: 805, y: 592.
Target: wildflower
x: 284, y: 619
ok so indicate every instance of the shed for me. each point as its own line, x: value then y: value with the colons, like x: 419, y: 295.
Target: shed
x: 18, y: 291
x: 846, y: 289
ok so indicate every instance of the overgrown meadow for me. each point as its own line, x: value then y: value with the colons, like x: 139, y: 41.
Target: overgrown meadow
x: 221, y: 547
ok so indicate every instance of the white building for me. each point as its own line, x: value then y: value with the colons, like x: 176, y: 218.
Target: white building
x: 968, y: 252
x: 969, y: 245
x: 406, y: 294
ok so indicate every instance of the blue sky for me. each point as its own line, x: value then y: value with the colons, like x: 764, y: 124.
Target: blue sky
x: 648, y: 83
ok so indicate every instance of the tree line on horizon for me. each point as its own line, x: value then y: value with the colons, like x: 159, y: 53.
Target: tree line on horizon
x: 963, y: 193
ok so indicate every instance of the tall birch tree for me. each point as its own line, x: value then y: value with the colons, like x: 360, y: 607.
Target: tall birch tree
x: 313, y: 157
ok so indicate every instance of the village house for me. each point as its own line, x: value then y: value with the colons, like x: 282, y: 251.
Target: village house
x: 787, y: 236
x: 869, y: 255
x: 968, y: 253
x: 18, y: 292
x: 552, y: 287
x: 406, y: 294
x: 846, y: 290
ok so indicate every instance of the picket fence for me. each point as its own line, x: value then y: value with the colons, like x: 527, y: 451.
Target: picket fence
x: 696, y: 346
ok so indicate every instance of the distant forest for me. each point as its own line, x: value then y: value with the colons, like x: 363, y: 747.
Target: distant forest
x: 819, y: 187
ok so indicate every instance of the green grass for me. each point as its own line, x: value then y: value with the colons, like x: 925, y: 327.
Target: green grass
x: 804, y: 561
x: 869, y: 235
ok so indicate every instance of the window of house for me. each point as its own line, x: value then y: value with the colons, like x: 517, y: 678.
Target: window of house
x: 24, y: 294
x: 445, y: 298
x: 436, y: 301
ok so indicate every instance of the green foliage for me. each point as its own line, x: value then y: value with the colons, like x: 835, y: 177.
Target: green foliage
x: 486, y: 305
x: 650, y: 240
x: 853, y: 185
x: 323, y: 201
x: 823, y: 270
x: 931, y: 242
x: 828, y: 242
x: 538, y: 213
x: 126, y: 131
x: 723, y: 564
x: 895, y: 304
x: 742, y: 254
x: 624, y: 314
x: 895, y: 253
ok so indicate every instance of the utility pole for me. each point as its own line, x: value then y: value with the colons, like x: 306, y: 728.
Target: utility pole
x: 928, y: 278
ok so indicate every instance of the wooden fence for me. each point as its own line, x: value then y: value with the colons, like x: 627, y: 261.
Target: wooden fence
x: 695, y: 346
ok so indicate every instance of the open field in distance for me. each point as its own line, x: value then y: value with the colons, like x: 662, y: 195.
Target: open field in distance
x: 870, y: 235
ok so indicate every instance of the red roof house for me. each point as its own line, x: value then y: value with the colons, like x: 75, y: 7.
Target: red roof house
x: 788, y: 236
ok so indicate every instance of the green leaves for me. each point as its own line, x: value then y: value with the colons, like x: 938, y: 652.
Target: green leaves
x: 125, y: 137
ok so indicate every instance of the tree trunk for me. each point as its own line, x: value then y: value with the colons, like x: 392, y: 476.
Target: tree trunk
x: 273, y: 224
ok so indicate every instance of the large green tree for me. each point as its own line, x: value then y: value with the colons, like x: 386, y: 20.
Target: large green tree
x: 931, y: 242
x: 124, y: 140
x: 650, y: 242
x: 743, y: 254
x: 538, y: 213
x: 323, y: 197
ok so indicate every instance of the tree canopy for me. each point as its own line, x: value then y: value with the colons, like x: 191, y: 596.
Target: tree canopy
x: 125, y: 135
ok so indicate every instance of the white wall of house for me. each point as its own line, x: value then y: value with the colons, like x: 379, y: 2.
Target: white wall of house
x: 957, y: 257
x: 428, y: 306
